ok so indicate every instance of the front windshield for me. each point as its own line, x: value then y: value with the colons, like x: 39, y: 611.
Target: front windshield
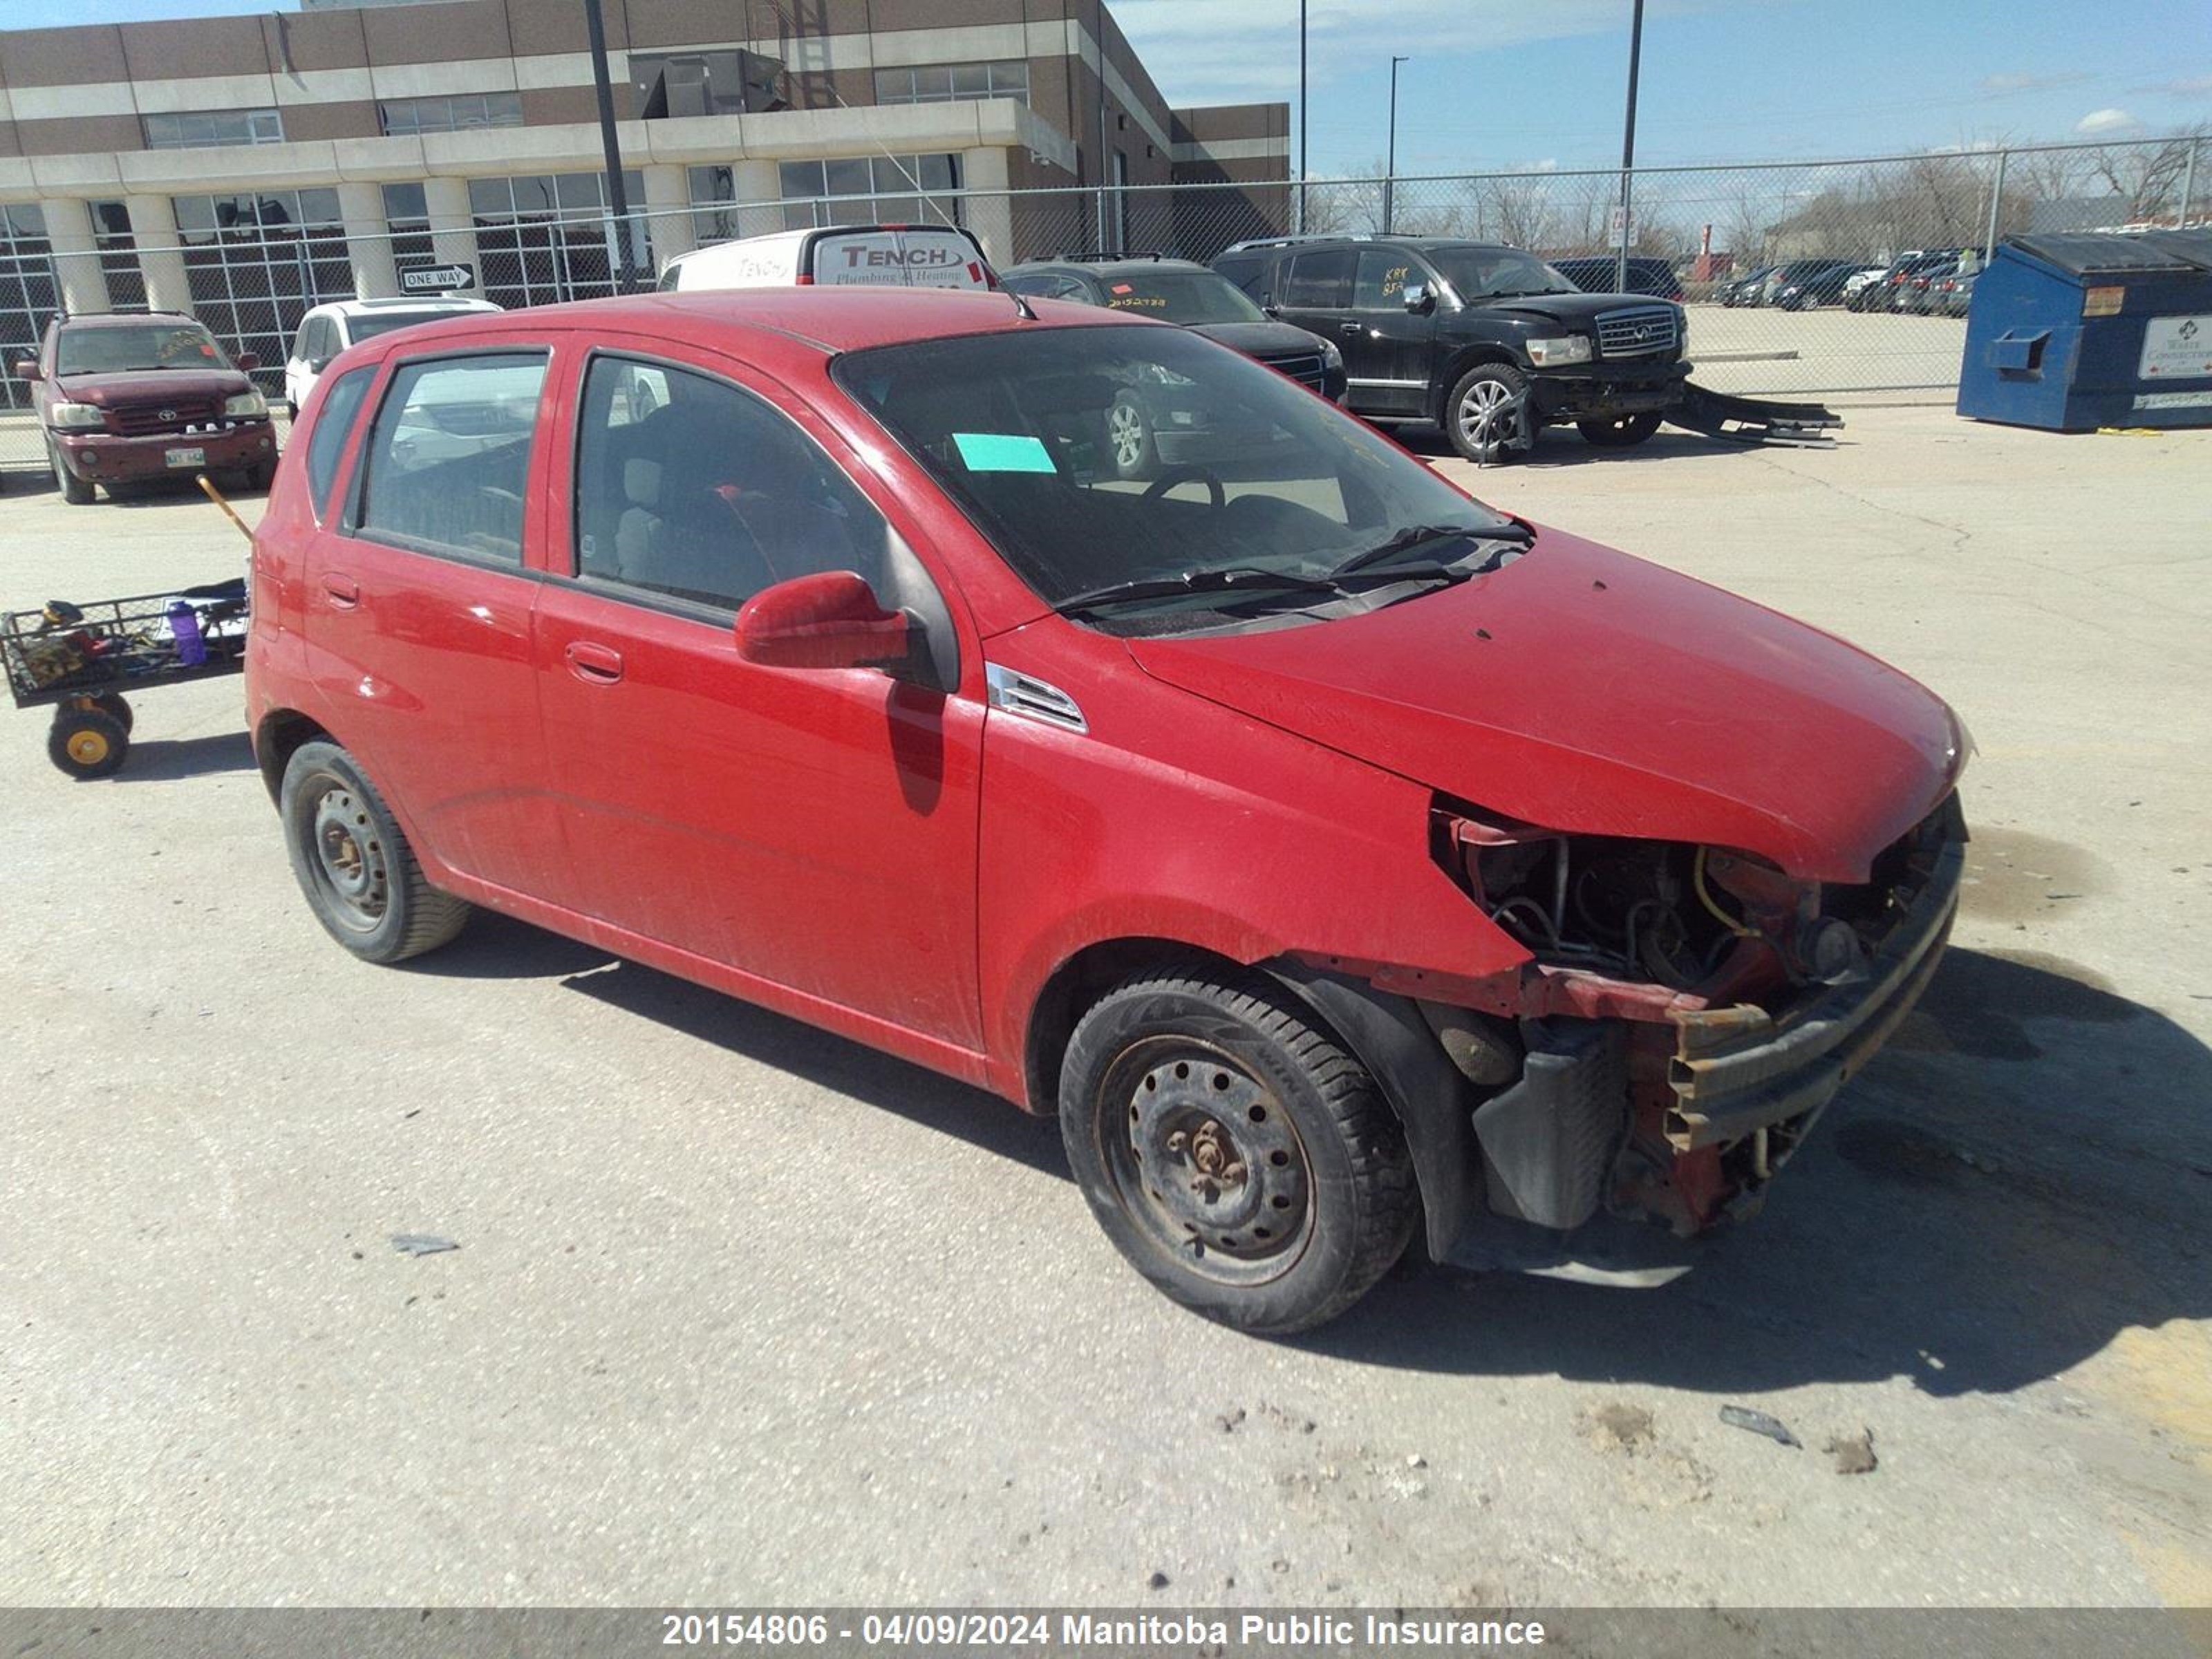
x: 1493, y: 273
x: 1096, y: 457
x: 120, y: 349
x: 1180, y: 296
x: 369, y: 324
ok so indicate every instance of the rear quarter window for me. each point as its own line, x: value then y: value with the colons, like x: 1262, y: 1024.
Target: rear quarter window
x: 334, y: 418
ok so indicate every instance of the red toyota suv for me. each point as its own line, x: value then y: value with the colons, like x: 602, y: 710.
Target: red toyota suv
x: 137, y: 395
x: 1336, y: 857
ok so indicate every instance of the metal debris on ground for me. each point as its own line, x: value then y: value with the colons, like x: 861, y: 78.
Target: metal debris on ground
x: 1742, y: 1417
x: 421, y: 1243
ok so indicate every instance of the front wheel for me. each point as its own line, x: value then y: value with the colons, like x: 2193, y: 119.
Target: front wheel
x: 1486, y: 415
x: 88, y: 743
x: 1130, y: 438
x: 74, y: 490
x: 359, y: 875
x: 1623, y: 432
x: 1235, y: 1155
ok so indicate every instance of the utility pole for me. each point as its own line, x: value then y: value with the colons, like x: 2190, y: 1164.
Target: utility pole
x: 1390, y: 162
x: 617, y: 201
x: 1628, y: 151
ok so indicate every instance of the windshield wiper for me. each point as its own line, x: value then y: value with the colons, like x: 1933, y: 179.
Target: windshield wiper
x: 1512, y: 532
x: 1234, y: 579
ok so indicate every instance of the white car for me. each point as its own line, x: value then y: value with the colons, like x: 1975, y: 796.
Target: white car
x: 899, y: 256
x: 330, y: 329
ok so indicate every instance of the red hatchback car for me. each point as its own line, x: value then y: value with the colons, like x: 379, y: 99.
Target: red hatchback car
x: 1336, y: 857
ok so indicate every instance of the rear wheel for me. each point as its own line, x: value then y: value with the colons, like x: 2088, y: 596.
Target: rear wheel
x: 1240, y: 1159
x: 359, y: 875
x: 1486, y: 415
x: 1624, y: 432
x: 1130, y: 438
x: 115, y: 709
x: 88, y: 743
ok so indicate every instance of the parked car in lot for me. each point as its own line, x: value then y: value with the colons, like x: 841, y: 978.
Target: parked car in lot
x: 898, y: 256
x: 1599, y: 274
x: 1957, y: 296
x: 1883, y: 293
x: 1917, y: 295
x: 1255, y: 832
x: 327, y: 329
x: 1163, y: 424
x: 1805, y: 284
x: 126, y: 395
x: 1489, y: 341
x: 1745, y: 290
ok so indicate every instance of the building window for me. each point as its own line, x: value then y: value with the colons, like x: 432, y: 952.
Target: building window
x: 201, y: 128
x: 404, y: 117
x: 732, y: 82
x: 942, y: 83
x: 28, y: 294
x: 258, y: 261
x: 871, y: 190
x: 407, y: 216
x: 542, y: 238
x: 119, y: 255
x: 715, y: 204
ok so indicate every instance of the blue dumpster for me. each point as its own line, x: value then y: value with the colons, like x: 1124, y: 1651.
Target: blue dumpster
x: 2073, y: 332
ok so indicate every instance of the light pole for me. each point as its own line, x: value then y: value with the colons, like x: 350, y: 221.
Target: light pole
x: 1302, y: 115
x: 1390, y: 162
x: 625, y: 259
x: 1628, y: 149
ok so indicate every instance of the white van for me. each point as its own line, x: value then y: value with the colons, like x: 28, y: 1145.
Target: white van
x: 329, y: 329
x: 899, y: 256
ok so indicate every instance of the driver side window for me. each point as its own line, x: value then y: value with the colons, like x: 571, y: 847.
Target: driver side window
x: 689, y: 488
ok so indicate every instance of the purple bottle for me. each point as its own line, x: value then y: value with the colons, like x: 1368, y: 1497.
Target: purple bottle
x: 185, y: 631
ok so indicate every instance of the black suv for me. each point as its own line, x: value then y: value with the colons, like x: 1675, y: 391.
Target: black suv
x: 1490, y: 341
x: 1155, y: 426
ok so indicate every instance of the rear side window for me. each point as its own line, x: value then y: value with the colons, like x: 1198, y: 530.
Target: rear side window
x: 448, y: 459
x: 1320, y: 282
x: 327, y: 441
x: 1384, y: 273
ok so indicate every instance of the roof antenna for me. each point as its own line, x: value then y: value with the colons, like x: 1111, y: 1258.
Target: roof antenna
x: 1021, y: 305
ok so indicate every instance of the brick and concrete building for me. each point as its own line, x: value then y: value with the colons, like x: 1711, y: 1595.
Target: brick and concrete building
x: 247, y: 168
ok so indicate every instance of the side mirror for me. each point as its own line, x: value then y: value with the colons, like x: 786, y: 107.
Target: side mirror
x: 27, y: 368
x: 248, y: 362
x: 1271, y: 311
x: 1417, y: 297
x: 826, y: 620
x: 317, y: 365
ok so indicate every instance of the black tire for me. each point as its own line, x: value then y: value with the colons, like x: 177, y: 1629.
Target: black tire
x: 88, y: 743
x: 1624, y: 432
x: 74, y: 490
x: 1131, y: 444
x: 1293, y: 1190
x: 1491, y: 434
x: 360, y: 877
x: 116, y: 709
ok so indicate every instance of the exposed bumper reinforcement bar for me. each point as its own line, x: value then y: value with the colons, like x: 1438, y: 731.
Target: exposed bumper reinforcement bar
x: 1739, y: 1069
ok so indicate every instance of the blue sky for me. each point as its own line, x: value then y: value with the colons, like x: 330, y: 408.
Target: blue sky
x: 1498, y: 83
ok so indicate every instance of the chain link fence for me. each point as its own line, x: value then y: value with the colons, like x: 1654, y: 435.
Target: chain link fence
x: 1772, y: 259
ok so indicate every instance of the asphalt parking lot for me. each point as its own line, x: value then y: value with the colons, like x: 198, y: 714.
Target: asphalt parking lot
x: 743, y: 1313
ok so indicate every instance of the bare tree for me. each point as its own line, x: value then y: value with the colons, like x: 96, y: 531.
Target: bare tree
x: 2147, y: 177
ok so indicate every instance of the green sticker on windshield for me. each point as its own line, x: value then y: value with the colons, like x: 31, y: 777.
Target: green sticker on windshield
x: 1003, y: 452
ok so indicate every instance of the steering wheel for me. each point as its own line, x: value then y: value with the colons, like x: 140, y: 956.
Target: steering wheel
x: 1215, y: 495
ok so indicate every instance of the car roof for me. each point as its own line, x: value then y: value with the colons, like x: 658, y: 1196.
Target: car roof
x: 830, y: 320
x: 403, y: 302
x: 1107, y: 267
x: 124, y: 319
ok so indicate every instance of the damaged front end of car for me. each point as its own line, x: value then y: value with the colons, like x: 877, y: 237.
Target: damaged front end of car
x: 1685, y: 1014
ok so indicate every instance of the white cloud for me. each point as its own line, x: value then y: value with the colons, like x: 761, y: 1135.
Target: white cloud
x: 2107, y: 120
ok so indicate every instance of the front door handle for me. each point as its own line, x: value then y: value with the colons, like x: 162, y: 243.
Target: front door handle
x: 344, y: 591
x: 594, y: 664
x: 1349, y: 328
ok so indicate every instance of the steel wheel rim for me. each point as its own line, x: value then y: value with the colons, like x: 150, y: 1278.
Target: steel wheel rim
x: 87, y: 748
x: 346, y: 856
x: 1125, y: 430
x: 1205, y: 1161
x: 1485, y: 418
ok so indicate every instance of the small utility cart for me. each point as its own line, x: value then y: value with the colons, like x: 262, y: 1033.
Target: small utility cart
x: 80, y: 660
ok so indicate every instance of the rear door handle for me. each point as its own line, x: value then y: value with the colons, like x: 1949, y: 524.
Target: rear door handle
x: 595, y: 665
x: 343, y: 591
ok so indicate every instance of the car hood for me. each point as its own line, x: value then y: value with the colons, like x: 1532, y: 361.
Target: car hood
x: 1261, y: 340
x: 1581, y: 689
x: 150, y: 385
x: 1579, y: 310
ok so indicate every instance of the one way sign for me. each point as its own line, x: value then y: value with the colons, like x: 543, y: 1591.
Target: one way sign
x: 455, y: 278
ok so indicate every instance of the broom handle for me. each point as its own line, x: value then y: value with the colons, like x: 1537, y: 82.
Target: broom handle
x: 215, y: 495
